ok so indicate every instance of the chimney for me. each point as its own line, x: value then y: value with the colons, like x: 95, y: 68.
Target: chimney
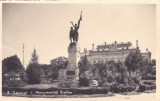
x: 115, y: 42
x: 137, y: 44
x: 93, y: 47
x: 86, y: 49
x: 149, y: 53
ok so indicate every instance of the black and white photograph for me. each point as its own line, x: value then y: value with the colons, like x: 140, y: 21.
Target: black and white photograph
x: 78, y: 50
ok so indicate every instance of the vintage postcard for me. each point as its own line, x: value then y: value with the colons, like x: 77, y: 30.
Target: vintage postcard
x: 79, y: 50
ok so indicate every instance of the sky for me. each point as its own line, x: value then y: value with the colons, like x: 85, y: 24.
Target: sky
x: 46, y: 27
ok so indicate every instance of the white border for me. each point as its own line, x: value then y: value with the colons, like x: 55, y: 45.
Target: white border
x: 157, y: 2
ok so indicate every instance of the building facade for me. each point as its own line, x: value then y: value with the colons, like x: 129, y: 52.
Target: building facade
x: 115, y: 51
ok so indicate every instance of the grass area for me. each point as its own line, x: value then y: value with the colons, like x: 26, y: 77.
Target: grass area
x: 40, y: 86
x: 46, y: 86
x: 130, y: 93
x: 136, y: 93
x: 150, y: 91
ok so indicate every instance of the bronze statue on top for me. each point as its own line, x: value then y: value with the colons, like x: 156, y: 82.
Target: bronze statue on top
x: 71, y: 34
x: 74, y: 32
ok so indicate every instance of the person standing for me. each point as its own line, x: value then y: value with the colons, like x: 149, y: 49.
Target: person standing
x: 71, y: 35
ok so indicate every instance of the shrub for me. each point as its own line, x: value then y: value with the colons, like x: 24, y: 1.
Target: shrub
x: 145, y: 87
x: 148, y: 83
x: 121, y: 88
x: 84, y: 82
x: 15, y: 83
x: 149, y: 77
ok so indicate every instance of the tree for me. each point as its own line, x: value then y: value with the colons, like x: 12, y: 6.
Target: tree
x: 34, y: 71
x: 102, y: 69
x: 34, y: 57
x: 11, y: 66
x: 112, y: 66
x: 84, y: 65
x: 47, y: 69
x: 153, y: 62
x: 35, y: 74
x: 84, y: 71
x: 149, y: 66
x: 59, y: 63
x: 133, y: 61
x: 153, y: 66
x: 55, y: 73
x: 136, y: 65
x: 120, y: 66
x: 93, y: 70
x: 122, y: 77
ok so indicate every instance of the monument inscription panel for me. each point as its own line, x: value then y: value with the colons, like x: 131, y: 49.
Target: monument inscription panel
x: 70, y: 72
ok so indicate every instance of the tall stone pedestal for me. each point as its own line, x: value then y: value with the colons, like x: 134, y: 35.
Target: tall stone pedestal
x: 70, y: 75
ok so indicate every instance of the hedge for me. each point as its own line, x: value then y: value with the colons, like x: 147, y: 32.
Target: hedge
x: 121, y: 89
x: 145, y: 87
x: 151, y: 77
x: 74, y: 91
x: 148, y: 83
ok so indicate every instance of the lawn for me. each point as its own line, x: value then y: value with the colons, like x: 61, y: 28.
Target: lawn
x: 40, y: 86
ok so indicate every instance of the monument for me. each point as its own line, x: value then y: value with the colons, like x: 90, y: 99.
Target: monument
x: 70, y: 75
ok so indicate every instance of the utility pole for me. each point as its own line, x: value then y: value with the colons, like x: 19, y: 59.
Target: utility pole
x: 23, y: 54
